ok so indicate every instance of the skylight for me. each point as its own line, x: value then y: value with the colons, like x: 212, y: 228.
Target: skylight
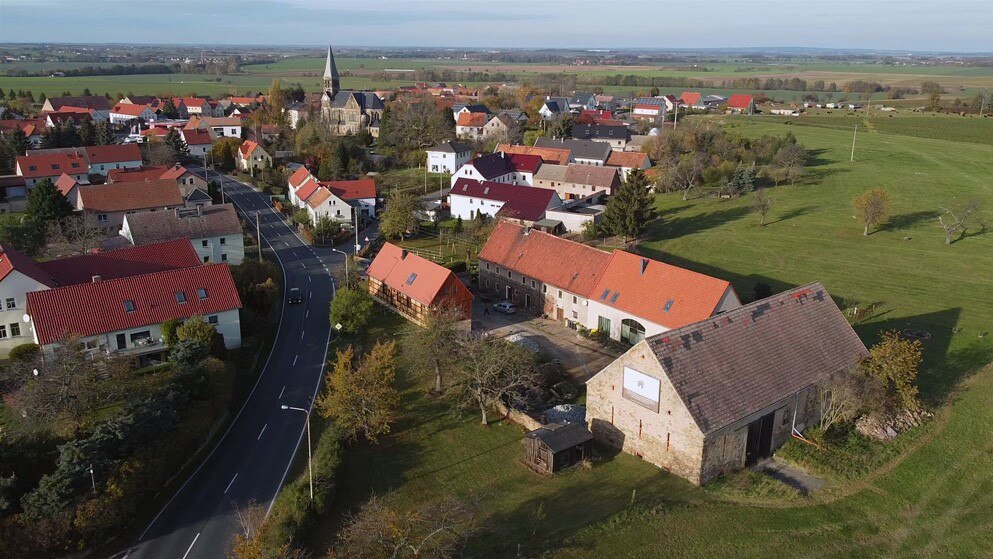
x: 668, y: 305
x: 614, y: 298
x: 129, y: 305
x: 411, y: 279
x: 180, y: 297
x: 201, y: 293
x: 604, y: 295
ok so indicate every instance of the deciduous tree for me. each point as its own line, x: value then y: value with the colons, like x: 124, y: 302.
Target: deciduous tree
x: 489, y: 372
x: 362, y: 399
x: 958, y: 219
x: 893, y: 361
x: 352, y: 308
x: 762, y: 203
x: 399, y: 217
x: 872, y: 208
x: 431, y: 347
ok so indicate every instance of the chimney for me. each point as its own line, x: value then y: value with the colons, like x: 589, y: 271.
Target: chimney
x: 403, y: 254
x: 96, y: 279
x: 502, y: 154
x: 644, y: 265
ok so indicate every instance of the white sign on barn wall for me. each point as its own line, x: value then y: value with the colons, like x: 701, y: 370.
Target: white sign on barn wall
x: 641, y: 388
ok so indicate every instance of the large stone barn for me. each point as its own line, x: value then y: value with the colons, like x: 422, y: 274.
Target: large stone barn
x: 722, y: 393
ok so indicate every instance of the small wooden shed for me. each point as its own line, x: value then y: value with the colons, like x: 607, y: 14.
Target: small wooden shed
x: 556, y: 446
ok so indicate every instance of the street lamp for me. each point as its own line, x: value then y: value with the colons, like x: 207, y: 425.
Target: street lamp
x: 345, y: 255
x: 310, y: 466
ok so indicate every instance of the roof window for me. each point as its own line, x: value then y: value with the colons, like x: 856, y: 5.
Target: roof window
x: 668, y: 305
x: 201, y: 293
x: 603, y: 297
x: 614, y: 298
x: 180, y: 297
x: 411, y: 279
x: 129, y: 305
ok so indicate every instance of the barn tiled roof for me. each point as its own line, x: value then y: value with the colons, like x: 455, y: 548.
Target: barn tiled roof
x: 124, y: 196
x: 206, y: 221
x: 566, y: 264
x: 740, y: 101
x: 112, y: 153
x: 121, y: 263
x: 600, y: 177
x: 414, y: 276
x: 662, y: 293
x: 547, y: 155
x: 629, y: 159
x: 99, y: 307
x: 353, y: 189
x: 732, y: 365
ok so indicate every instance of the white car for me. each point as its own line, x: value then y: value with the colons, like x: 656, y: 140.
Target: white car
x: 505, y: 307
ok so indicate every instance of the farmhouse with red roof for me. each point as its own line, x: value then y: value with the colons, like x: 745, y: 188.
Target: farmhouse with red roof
x: 741, y: 103
x: 339, y: 200
x: 522, y: 204
x: 414, y: 286
x: 510, y: 168
x: 623, y: 294
x: 38, y: 167
x: 252, y: 156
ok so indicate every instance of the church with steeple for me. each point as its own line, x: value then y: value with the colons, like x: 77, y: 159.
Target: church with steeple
x: 348, y: 111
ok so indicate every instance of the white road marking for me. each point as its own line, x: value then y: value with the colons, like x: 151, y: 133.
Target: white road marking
x: 191, y: 545
x: 262, y: 431
x: 309, y: 279
x: 310, y: 294
x: 304, y: 264
x: 232, y: 479
x: 302, y: 332
x: 295, y: 359
x: 308, y: 314
x: 281, y: 393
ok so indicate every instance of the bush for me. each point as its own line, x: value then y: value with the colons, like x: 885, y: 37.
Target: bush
x: 352, y: 308
x: 24, y: 352
x: 457, y: 267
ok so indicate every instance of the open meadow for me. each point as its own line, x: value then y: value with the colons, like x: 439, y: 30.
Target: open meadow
x: 927, y: 494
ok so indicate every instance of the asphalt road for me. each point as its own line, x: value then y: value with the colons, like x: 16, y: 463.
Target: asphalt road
x: 251, y: 461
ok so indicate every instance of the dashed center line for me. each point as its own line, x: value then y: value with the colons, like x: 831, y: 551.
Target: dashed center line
x: 262, y: 431
x: 302, y: 332
x: 295, y: 358
x: 281, y: 393
x: 230, y: 484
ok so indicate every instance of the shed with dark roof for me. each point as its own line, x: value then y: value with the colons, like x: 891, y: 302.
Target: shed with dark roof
x: 557, y: 446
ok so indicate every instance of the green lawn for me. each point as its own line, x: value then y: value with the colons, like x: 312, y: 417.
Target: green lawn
x: 932, y: 496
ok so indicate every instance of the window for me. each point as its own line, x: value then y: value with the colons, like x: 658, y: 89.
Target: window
x: 613, y: 299
x: 668, y: 305
x: 3, y: 331
x: 509, y: 274
x: 102, y: 217
x: 604, y: 325
x: 201, y: 293
x: 224, y: 258
x: 487, y: 283
x: 203, y: 243
x: 11, y: 303
x: 206, y: 258
x: 487, y: 265
x: 575, y: 299
x: 533, y: 284
x: 603, y: 296
x: 524, y: 280
x: 141, y: 338
x: 411, y: 278
x: 223, y: 241
x: 129, y: 305
x: 212, y: 319
x: 180, y: 297
x: 560, y: 293
x: 15, y: 329
x: 498, y: 269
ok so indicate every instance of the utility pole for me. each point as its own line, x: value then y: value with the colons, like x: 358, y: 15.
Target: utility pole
x: 356, y: 210
x: 310, y: 460
x: 854, y: 134
x: 425, y: 179
x: 258, y: 233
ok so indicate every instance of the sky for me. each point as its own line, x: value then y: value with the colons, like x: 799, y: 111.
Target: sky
x: 901, y: 25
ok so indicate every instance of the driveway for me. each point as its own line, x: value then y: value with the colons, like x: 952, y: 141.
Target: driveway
x: 581, y: 358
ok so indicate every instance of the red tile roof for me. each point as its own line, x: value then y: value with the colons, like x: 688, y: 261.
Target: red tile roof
x: 90, y: 309
x: 197, y: 137
x: 247, y: 147
x: 562, y: 263
x: 472, y: 120
x: 137, y: 195
x: 523, y: 163
x: 416, y: 277
x: 299, y: 176
x: 85, y: 101
x: 689, y: 97
x: 12, y: 259
x: 129, y: 109
x: 740, y: 101
x: 65, y: 184
x: 352, y: 190
x: 519, y: 202
x: 318, y: 197
x: 629, y: 159
x: 113, y: 153
x: 51, y: 165
x: 144, y: 173
x: 174, y: 172
x: 645, y: 287
x: 122, y: 263
x: 547, y: 155
x: 308, y: 189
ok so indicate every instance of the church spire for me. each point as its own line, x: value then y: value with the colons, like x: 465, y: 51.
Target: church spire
x: 332, y: 82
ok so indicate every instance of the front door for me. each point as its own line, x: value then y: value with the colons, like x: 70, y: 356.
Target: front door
x: 122, y: 341
x: 507, y: 293
x: 527, y: 301
x: 759, y: 443
x: 559, y: 314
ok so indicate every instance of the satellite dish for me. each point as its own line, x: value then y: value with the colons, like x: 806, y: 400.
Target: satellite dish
x: 26, y: 318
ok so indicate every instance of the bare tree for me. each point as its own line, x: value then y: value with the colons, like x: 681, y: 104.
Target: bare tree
x: 688, y: 173
x: 435, y: 529
x: 76, y: 234
x: 489, y: 371
x: 841, y: 399
x: 958, y: 220
x: 762, y: 203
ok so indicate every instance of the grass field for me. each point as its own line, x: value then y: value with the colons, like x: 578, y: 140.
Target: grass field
x: 969, y: 128
x: 932, y: 496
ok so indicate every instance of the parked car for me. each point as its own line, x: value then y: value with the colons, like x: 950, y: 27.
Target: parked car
x: 296, y: 296
x: 505, y: 307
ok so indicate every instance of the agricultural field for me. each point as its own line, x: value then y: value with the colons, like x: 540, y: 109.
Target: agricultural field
x: 927, y: 494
